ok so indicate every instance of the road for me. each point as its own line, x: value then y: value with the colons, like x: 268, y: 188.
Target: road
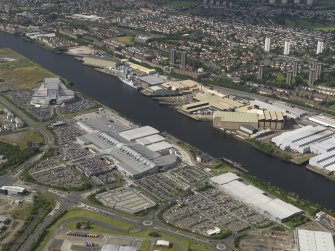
x: 67, y: 200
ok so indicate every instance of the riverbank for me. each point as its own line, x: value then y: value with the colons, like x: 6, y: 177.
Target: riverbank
x: 112, y: 93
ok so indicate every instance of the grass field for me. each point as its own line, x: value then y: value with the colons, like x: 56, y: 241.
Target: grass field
x: 126, y: 40
x: 308, y: 24
x: 179, y: 4
x: 22, y: 212
x: 22, y: 139
x: 21, y: 73
x: 145, y: 245
x: 332, y: 106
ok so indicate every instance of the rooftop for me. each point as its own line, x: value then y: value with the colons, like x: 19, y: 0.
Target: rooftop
x: 236, y: 116
x: 315, y: 240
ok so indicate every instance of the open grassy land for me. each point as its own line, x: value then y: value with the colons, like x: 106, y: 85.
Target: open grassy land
x: 179, y: 4
x: 21, y: 73
x: 117, y: 227
x: 308, y: 24
x: 126, y: 40
x: 327, y: 4
x: 23, y: 139
x: 145, y: 245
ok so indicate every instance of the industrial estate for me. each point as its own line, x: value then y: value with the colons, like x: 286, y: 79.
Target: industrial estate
x: 77, y: 174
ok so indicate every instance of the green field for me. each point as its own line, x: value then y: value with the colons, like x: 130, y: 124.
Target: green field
x: 21, y: 73
x: 23, y: 139
x: 145, y: 245
x: 307, y: 23
x: 126, y: 40
x: 180, y: 4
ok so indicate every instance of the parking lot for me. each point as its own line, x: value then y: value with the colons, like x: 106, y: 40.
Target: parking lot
x: 127, y: 199
x: 190, y: 175
x: 212, y: 208
x: 66, y: 134
x: 56, y: 174
x: 72, y: 151
x: 22, y: 98
x: 94, y: 166
x: 160, y: 187
x: 79, y: 104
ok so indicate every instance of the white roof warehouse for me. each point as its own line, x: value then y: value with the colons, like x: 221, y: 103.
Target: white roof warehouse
x: 274, y: 208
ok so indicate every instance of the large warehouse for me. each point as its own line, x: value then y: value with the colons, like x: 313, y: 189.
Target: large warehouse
x: 52, y: 91
x: 314, y: 240
x: 292, y: 112
x: 13, y: 190
x: 135, y: 159
x: 324, y: 161
x: 302, y: 139
x: 139, y: 132
x: 217, y: 102
x: 233, y: 120
x: 323, y: 120
x: 273, y: 208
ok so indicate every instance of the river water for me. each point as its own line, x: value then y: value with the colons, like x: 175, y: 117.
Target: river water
x: 127, y: 101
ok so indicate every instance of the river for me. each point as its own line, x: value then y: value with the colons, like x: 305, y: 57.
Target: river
x: 127, y: 101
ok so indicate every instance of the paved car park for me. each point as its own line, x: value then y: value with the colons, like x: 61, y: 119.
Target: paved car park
x: 59, y: 175
x: 66, y: 134
x: 128, y: 199
x: 212, y: 208
x: 72, y: 151
x: 22, y: 98
x: 159, y: 187
x: 78, y: 104
x: 94, y: 166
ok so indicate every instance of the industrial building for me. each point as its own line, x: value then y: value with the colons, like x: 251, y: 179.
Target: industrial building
x: 139, y: 132
x: 112, y: 247
x: 195, y: 106
x: 308, y: 240
x: 152, y: 80
x: 51, y: 92
x: 101, y: 62
x: 161, y: 147
x: 323, y: 120
x: 324, y: 161
x: 323, y: 146
x: 302, y: 139
x: 150, y: 139
x: 271, y: 119
x: 233, y: 120
x: 291, y: 112
x: 256, y: 198
x: 137, y: 151
x: 224, y: 179
x: 217, y: 102
x: 141, y: 69
x: 185, y: 86
x: 13, y: 190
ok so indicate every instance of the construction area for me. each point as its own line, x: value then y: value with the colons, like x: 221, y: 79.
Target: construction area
x: 14, y: 210
x: 128, y: 200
